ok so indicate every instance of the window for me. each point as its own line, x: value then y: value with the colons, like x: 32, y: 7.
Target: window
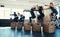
x: 1, y: 13
x: 5, y: 13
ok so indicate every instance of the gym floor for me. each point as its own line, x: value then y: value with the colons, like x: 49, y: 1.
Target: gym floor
x: 8, y: 32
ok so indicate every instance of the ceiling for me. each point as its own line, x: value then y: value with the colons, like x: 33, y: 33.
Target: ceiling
x: 26, y: 3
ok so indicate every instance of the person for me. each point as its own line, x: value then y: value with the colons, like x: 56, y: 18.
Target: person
x: 32, y: 14
x: 22, y: 17
x: 53, y: 17
x: 53, y: 13
x: 15, y: 17
x: 53, y: 9
x: 41, y: 14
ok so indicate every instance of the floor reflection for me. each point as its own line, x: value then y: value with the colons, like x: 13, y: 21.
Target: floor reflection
x: 8, y: 32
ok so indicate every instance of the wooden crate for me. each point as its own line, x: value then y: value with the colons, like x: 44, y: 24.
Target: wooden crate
x: 46, y: 19
x: 36, y: 27
x: 45, y: 28
x: 49, y: 28
x: 13, y: 25
x: 27, y: 27
x: 19, y: 26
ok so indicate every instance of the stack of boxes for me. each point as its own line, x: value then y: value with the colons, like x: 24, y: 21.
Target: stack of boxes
x: 48, y: 27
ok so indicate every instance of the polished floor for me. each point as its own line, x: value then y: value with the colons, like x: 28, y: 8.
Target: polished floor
x: 8, y: 32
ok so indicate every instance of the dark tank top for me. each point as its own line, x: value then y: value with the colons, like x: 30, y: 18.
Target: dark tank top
x: 54, y: 10
x: 32, y: 13
x: 41, y: 13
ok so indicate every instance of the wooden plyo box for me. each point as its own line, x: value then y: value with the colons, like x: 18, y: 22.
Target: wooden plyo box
x: 19, y: 26
x: 27, y: 27
x: 13, y: 25
x: 45, y: 28
x: 36, y: 27
x: 46, y: 19
x: 49, y: 28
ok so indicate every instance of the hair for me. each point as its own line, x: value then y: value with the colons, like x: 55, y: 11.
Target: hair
x: 14, y: 12
x: 40, y: 7
x: 51, y: 14
x: 18, y: 13
x: 51, y: 3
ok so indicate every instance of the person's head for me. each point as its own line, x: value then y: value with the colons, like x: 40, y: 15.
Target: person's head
x: 40, y: 8
x: 14, y: 12
x: 19, y: 14
x: 51, y: 4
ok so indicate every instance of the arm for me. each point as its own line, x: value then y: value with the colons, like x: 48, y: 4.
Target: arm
x: 11, y: 14
x: 46, y: 8
x: 26, y: 10
x: 35, y: 10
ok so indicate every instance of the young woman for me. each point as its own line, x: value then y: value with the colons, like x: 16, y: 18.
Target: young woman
x: 54, y: 12
x: 32, y: 15
x: 41, y: 16
x: 53, y: 9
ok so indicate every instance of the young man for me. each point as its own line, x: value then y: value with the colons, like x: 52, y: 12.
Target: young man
x: 22, y: 18
x: 15, y: 17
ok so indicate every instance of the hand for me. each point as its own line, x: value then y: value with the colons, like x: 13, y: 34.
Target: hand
x: 10, y: 14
